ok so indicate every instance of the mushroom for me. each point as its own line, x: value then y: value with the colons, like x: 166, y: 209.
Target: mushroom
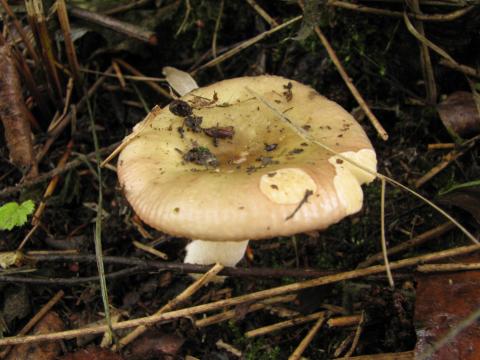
x: 241, y: 173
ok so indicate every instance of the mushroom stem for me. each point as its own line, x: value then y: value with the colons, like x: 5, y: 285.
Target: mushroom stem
x: 227, y: 253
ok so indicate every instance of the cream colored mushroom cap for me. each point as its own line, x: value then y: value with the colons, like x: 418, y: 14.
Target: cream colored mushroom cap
x: 269, y: 182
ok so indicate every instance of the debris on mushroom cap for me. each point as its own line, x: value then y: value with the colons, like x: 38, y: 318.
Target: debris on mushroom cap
x: 245, y: 196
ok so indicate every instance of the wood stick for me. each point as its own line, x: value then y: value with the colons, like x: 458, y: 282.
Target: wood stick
x: 38, y: 22
x: 398, y: 14
x: 136, y: 72
x: 467, y: 70
x: 262, y: 13
x: 307, y: 339
x: 433, y: 268
x: 253, y: 272
x: 50, y: 188
x: 125, y: 7
x: 55, y: 132
x: 52, y: 173
x: 144, y: 124
x: 342, y: 321
x: 246, y: 44
x: 406, y: 245
x: 150, y: 250
x: 121, y: 27
x: 425, y: 59
x: 285, y: 324
x: 182, y: 297
x: 168, y: 316
x: 447, y: 160
x: 440, y: 146
x: 230, y: 314
x: 348, y: 81
x: 19, y: 27
x: 34, y: 320
x: 407, y: 355
x: 356, y: 337
x: 233, y: 350
x: 69, y: 46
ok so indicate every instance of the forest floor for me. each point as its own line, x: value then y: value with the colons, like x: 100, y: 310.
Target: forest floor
x: 403, y: 61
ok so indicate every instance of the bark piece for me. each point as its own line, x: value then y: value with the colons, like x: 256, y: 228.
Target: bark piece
x: 13, y: 114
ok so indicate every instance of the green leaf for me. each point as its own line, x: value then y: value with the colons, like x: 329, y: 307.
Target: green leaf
x: 13, y: 214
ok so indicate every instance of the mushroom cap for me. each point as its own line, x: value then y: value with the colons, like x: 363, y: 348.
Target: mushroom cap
x: 268, y: 182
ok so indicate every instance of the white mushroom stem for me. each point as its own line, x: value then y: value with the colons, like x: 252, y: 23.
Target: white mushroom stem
x: 227, y: 253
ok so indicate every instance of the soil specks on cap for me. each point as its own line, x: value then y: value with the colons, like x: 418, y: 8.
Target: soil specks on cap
x: 180, y: 108
x: 201, y: 155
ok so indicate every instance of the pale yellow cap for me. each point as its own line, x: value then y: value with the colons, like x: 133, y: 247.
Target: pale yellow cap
x: 265, y: 170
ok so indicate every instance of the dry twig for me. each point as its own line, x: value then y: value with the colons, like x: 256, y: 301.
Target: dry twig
x: 150, y: 83
x: 247, y: 43
x: 263, y: 294
x: 182, y: 297
x: 34, y: 320
x: 398, y: 14
x: 408, y: 355
x: 273, y: 23
x: 348, y: 81
x: 52, y: 173
x: 230, y: 314
x: 406, y: 245
x: 447, y: 160
x: 121, y: 27
x: 69, y: 46
x: 296, y: 355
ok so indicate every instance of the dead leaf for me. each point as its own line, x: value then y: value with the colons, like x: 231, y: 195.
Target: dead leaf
x: 92, y: 354
x: 50, y: 323
x: 10, y: 258
x: 155, y: 345
x: 16, y: 303
x: 443, y: 301
x: 459, y: 114
x: 467, y: 198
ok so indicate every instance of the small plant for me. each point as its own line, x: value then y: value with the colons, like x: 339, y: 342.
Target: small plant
x: 13, y: 214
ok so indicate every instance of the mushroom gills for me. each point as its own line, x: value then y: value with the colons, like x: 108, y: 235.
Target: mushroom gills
x: 227, y: 253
